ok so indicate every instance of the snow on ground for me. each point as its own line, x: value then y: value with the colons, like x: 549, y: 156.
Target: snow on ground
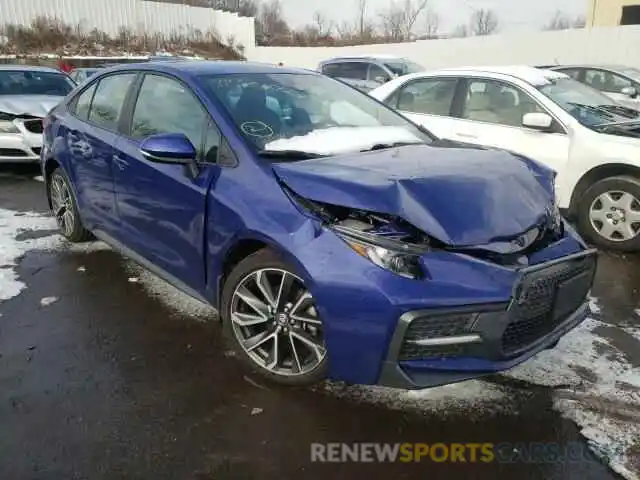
x: 599, y: 391
x: 11, y: 224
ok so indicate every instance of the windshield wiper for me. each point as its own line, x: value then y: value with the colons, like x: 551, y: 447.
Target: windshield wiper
x: 289, y: 154
x: 593, y: 108
x: 382, y: 146
x: 621, y: 110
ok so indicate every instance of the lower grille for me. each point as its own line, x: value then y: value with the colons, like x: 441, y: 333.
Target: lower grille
x: 434, y: 327
x: 12, y: 152
x: 544, y: 299
x: 34, y: 126
x: 36, y: 150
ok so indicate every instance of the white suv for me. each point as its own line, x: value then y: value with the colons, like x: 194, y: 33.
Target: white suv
x: 592, y: 142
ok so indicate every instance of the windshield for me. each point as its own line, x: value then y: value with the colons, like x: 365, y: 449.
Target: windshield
x: 587, y: 105
x: 309, y: 113
x: 26, y: 82
x: 631, y: 72
x: 404, y: 67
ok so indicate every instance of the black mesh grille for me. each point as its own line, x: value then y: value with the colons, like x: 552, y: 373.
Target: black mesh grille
x: 12, y: 152
x: 34, y: 126
x: 544, y: 300
x: 434, y: 327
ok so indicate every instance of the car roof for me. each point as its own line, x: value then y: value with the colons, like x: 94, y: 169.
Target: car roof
x: 532, y: 75
x: 364, y: 57
x: 210, y: 67
x: 28, y: 68
x: 613, y: 68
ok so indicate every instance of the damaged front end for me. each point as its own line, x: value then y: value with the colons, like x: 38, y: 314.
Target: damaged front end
x: 394, y: 244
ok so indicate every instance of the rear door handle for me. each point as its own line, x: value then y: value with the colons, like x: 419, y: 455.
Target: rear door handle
x: 466, y: 135
x: 120, y: 162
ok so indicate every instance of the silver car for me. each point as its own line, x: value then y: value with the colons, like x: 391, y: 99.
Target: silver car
x: 618, y: 82
x: 26, y: 96
x: 368, y: 72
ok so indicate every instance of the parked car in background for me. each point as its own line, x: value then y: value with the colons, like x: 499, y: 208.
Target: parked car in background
x: 79, y: 75
x: 616, y: 81
x: 589, y: 139
x: 26, y: 95
x: 368, y: 72
x: 336, y: 238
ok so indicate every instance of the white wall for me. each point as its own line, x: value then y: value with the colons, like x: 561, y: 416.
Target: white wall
x: 139, y: 16
x: 617, y: 45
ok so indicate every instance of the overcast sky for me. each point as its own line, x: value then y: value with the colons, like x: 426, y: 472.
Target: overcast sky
x: 513, y: 14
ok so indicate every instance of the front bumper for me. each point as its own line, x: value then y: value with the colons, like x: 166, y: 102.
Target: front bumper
x: 23, y: 147
x: 439, y: 346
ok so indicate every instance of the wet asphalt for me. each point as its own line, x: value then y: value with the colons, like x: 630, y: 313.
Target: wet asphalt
x: 110, y: 383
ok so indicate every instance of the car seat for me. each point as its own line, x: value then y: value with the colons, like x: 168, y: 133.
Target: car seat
x: 252, y: 108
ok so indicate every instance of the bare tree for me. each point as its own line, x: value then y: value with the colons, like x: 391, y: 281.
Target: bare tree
x: 322, y: 24
x: 484, y: 22
x: 399, y: 20
x: 562, y: 21
x: 271, y: 20
x: 248, y: 8
x: 460, y: 31
x: 431, y: 23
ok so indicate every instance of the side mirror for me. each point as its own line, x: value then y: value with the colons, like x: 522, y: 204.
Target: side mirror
x: 173, y: 148
x: 629, y: 92
x: 537, y: 121
x: 380, y: 79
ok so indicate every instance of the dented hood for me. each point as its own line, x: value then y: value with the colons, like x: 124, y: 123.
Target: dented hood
x: 28, y: 105
x: 460, y: 196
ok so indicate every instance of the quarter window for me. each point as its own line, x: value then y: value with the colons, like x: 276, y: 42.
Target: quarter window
x: 109, y: 99
x: 166, y: 106
x: 431, y: 96
x: 496, y: 102
x: 82, y: 103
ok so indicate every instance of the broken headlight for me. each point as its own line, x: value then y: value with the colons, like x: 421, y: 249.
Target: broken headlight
x: 390, y: 254
x: 8, y: 127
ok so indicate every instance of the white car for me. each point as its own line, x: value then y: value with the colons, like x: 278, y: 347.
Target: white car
x: 26, y: 96
x: 616, y: 81
x: 592, y: 142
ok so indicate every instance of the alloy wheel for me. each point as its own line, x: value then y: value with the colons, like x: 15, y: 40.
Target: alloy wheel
x: 62, y: 205
x: 615, y: 216
x: 276, y: 323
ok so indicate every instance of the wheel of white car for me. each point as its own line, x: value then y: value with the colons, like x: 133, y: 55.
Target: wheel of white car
x: 65, y: 208
x: 609, y: 213
x: 271, y: 321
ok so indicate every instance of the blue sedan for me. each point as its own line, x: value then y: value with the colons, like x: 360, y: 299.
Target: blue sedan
x: 336, y: 238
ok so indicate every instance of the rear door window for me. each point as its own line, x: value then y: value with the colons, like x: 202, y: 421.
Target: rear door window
x: 109, y: 99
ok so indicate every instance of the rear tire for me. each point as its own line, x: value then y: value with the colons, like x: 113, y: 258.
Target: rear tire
x: 609, y: 214
x: 65, y: 208
x: 280, y: 337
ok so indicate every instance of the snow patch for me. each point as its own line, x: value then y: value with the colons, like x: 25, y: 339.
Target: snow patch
x: 11, y: 224
x: 39, y: 178
x: 336, y: 140
x: 46, y: 301
x: 170, y: 296
x: 599, y: 391
x: 474, y: 396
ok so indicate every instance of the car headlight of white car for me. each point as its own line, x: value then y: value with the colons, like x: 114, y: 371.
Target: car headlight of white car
x: 8, y: 127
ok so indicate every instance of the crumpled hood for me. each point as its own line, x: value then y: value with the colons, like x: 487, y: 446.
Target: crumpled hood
x: 33, y: 105
x: 460, y: 196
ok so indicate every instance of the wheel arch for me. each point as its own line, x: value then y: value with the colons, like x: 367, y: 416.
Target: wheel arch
x: 242, y: 248
x: 596, y: 174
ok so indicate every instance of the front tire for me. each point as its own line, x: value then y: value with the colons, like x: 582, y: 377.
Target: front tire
x: 609, y: 213
x: 65, y: 208
x: 271, y: 321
